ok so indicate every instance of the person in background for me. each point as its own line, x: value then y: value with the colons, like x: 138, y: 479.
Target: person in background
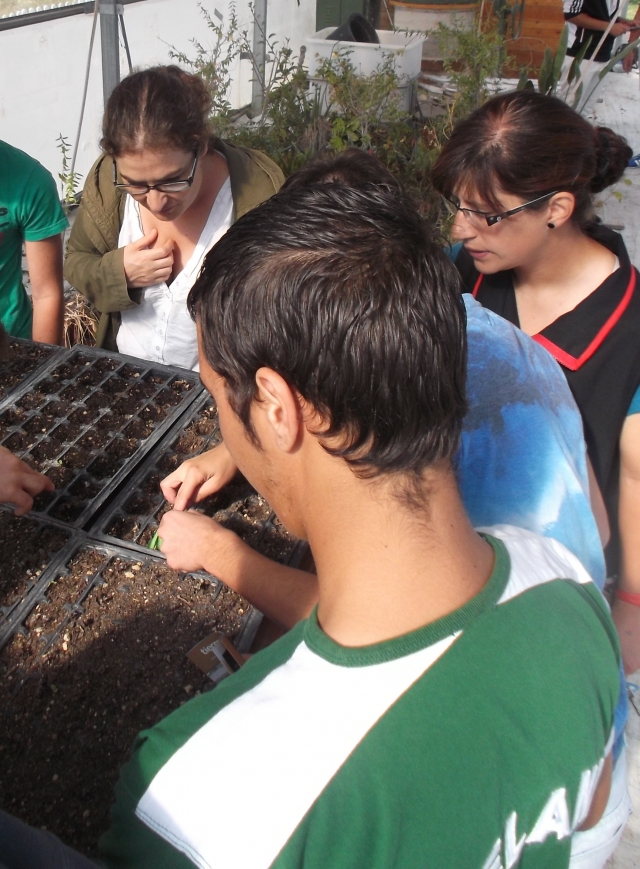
x: 588, y: 20
x: 631, y: 59
x: 534, y: 253
x: 30, y: 214
x: 161, y: 195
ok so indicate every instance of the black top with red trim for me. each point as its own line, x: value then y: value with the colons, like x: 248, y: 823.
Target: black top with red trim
x: 598, y: 346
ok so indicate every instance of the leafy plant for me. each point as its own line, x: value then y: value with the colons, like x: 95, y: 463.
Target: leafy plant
x: 473, y: 59
x: 215, y: 64
x: 551, y: 69
x: 340, y: 108
x: 69, y: 180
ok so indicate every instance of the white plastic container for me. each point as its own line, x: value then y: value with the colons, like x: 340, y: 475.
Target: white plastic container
x: 367, y: 57
x: 406, y: 49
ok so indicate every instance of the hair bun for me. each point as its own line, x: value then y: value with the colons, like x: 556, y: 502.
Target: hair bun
x: 612, y: 157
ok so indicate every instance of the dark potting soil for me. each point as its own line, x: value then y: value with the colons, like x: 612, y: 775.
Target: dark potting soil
x: 23, y: 359
x: 83, y: 680
x: 27, y: 548
x: 87, y: 416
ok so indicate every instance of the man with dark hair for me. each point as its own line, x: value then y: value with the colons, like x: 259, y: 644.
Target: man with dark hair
x: 332, y: 337
x: 449, y: 702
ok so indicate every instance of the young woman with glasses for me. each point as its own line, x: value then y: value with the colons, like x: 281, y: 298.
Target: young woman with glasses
x: 160, y: 196
x: 518, y: 176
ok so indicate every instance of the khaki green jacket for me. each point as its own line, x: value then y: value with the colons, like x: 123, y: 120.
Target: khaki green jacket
x: 94, y: 264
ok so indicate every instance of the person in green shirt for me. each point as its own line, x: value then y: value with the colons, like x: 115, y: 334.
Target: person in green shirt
x: 30, y: 213
x: 449, y: 702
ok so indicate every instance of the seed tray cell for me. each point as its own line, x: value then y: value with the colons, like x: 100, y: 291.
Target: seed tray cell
x: 27, y: 545
x: 24, y: 359
x: 134, y: 515
x: 87, y: 420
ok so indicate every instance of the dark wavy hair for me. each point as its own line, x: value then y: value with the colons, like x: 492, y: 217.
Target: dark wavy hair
x: 347, y: 294
x: 528, y: 144
x: 352, y: 167
x: 156, y: 108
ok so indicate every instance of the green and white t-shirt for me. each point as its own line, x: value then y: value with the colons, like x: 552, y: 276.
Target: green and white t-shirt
x: 30, y: 210
x: 475, y: 741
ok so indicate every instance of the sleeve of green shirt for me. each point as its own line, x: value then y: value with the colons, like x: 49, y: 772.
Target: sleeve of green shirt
x: 39, y: 212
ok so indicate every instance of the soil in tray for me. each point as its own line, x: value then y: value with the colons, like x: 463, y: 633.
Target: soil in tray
x: 23, y: 359
x: 68, y: 718
x: 27, y: 548
x: 94, y: 440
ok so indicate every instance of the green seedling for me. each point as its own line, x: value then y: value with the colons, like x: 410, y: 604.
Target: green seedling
x: 155, y: 542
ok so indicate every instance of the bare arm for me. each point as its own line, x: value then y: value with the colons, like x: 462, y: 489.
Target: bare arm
x: 627, y: 615
x: 44, y: 262
x: 597, y: 506
x: 589, y: 23
x: 192, y: 541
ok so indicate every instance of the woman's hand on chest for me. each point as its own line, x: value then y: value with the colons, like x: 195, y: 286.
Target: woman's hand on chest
x: 170, y: 237
x: 146, y: 262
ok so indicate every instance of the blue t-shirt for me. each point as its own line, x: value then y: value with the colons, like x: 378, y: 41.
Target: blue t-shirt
x: 522, y: 456
x: 635, y: 404
x: 522, y: 449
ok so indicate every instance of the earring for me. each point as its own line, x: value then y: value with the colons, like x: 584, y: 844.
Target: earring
x: 551, y: 225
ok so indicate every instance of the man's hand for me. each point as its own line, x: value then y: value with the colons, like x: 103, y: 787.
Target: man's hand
x: 191, y: 541
x: 198, y: 478
x: 620, y: 27
x: 145, y: 265
x: 19, y: 484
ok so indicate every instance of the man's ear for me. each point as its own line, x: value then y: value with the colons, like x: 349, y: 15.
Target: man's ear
x: 280, y: 408
x: 561, y: 207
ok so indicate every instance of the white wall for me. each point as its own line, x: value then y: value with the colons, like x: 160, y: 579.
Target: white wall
x: 42, y: 67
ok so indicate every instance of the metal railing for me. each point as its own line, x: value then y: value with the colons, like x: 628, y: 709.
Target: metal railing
x: 27, y: 15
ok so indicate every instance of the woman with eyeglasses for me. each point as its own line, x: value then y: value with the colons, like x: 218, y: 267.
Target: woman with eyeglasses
x: 518, y: 175
x: 163, y: 192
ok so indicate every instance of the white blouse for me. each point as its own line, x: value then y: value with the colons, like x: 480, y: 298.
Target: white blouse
x: 159, y: 328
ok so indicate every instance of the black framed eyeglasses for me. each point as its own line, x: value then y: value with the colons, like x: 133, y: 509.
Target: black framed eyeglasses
x: 477, y: 218
x: 164, y: 187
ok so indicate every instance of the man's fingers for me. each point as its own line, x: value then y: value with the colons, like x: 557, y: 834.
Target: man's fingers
x: 169, y: 488
x: 187, y: 495
x: 35, y: 483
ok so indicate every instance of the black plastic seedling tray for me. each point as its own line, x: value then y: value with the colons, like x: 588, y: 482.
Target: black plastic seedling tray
x: 23, y: 363
x: 100, y: 656
x: 28, y: 546
x: 87, y: 572
x: 134, y: 514
x: 87, y: 419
